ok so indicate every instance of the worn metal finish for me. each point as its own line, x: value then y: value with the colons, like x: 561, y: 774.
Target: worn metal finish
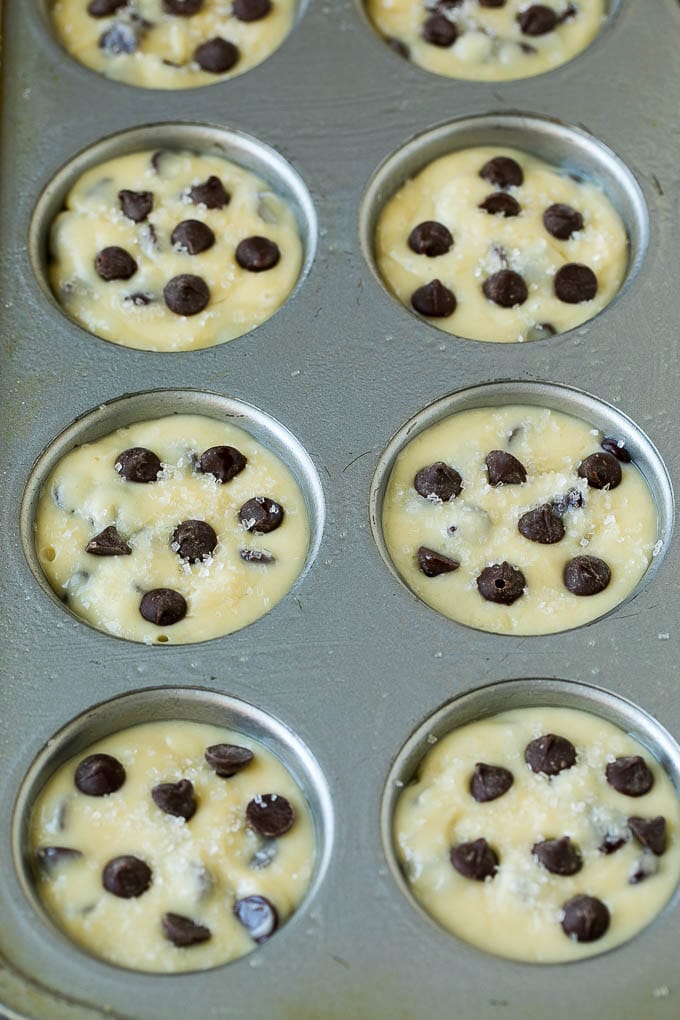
x: 349, y: 661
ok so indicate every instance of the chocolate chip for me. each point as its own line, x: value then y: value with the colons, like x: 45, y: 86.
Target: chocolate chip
x: 541, y: 525
x: 430, y: 238
x: 126, y: 877
x: 120, y: 38
x: 438, y: 481
x: 506, y: 288
x: 186, y: 294
x: 650, y: 833
x: 562, y: 221
x: 261, y: 515
x: 433, y: 563
x: 99, y: 774
x: 256, y: 556
x: 474, y: 860
x: 163, y: 606
x: 558, y: 856
x: 228, y: 759
x: 176, y: 799
x: 489, y: 782
x: 222, y: 462
x: 492, y: 3
x: 585, y: 919
x: 139, y: 300
x: 114, y: 263
x: 50, y: 857
x: 257, y: 254
x: 193, y: 237
x: 194, y: 540
x: 439, y: 31
x: 645, y: 868
x: 211, y: 194
x: 504, y: 469
x: 617, y: 448
x: 136, y: 205
x: 270, y: 815
x: 183, y: 932
x: 217, y: 56
x: 573, y: 500
x: 601, y: 470
x: 630, y: 775
x: 108, y: 543
x: 538, y: 20
x: 103, y: 8
x: 575, y: 283
x: 610, y: 844
x: 501, y: 583
x: 501, y: 204
x: 434, y: 300
x: 586, y: 575
x: 251, y: 10
x: 550, y: 754
x: 182, y: 8
x: 398, y: 47
x: 502, y: 172
x: 138, y: 465
x: 258, y: 916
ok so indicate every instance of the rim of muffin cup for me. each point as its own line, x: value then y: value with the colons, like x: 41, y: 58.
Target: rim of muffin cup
x: 562, y: 145
x: 147, y: 405
x: 503, y: 696
x: 556, y: 397
x: 170, y: 704
x: 203, y: 139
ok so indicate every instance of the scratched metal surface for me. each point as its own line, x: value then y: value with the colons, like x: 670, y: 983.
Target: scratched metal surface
x: 352, y: 663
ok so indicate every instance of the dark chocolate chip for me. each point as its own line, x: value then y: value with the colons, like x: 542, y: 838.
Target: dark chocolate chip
x: 434, y: 300
x: 439, y: 31
x: 506, y: 288
x: 120, y: 38
x: 257, y: 254
x: 163, y: 606
x: 108, y: 543
x: 104, y: 8
x: 630, y: 775
x: 186, y: 294
x: 538, y: 20
x: 502, y: 172
x: 182, y: 931
x: 136, y: 205
x: 211, y: 194
x: 176, y: 799
x: 617, y: 448
x: 251, y: 10
x: 550, y: 754
x: 50, y: 857
x: 182, y: 8
x: 586, y: 575
x: 193, y: 237
x: 650, y: 833
x: 438, y: 481
x: 610, y: 844
x: 126, y: 876
x: 398, y: 47
x: 138, y: 465
x: 217, y: 56
x: 586, y: 918
x: 541, y: 525
x: 558, y: 856
x: 270, y: 815
x: 99, y: 774
x: 573, y: 500
x: 194, y: 540
x: 228, y: 759
x: 258, y: 916
x: 476, y: 860
x: 504, y: 469
x: 433, y: 563
x: 562, y: 221
x: 430, y: 238
x: 501, y: 204
x: 501, y: 583
x: 261, y: 515
x: 114, y: 263
x: 489, y: 782
x: 222, y: 462
x: 492, y: 3
x: 575, y: 283
x: 257, y: 556
x: 601, y: 470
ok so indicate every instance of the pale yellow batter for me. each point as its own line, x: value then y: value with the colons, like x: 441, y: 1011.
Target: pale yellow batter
x: 134, y: 309
x: 223, y: 591
x: 617, y: 525
x: 517, y: 912
x: 200, y: 867
x: 142, y: 42
x: 450, y: 192
x: 485, y: 42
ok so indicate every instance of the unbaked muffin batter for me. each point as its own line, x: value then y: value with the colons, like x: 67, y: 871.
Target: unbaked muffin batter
x: 488, y: 40
x: 520, y: 520
x: 172, y: 251
x: 172, y: 44
x: 494, y: 244
x: 174, y: 530
x: 172, y: 846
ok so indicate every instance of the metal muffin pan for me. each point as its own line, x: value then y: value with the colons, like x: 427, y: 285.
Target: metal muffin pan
x: 350, y: 661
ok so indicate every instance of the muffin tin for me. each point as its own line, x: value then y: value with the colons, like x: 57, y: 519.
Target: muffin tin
x: 348, y: 662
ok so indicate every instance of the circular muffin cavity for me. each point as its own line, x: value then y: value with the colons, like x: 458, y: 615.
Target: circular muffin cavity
x: 545, y: 530
x: 186, y: 864
x: 140, y: 238
x: 488, y: 40
x: 156, y: 519
x: 501, y: 822
x: 543, y: 226
x: 170, y: 44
